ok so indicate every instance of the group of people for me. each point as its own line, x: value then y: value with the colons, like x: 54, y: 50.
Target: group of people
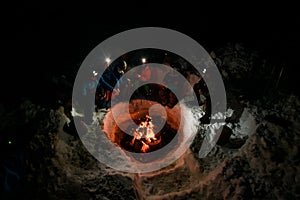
x: 109, y: 83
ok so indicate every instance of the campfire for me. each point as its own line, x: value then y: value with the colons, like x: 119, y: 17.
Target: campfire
x: 146, y: 137
x: 144, y: 133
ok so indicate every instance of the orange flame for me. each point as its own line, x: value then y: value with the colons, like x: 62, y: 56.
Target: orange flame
x: 145, y: 133
x: 145, y: 147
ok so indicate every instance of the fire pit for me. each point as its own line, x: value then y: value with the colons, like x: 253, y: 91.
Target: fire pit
x: 144, y: 132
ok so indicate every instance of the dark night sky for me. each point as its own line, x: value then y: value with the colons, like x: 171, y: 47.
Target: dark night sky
x: 40, y: 40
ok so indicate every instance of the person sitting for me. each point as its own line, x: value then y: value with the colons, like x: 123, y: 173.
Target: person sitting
x: 100, y: 98
x: 111, y: 77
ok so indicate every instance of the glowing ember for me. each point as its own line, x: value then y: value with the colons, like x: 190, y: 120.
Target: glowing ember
x: 145, y: 147
x: 145, y: 134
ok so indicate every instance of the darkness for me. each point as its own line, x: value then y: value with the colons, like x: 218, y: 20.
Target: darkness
x: 44, y: 40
